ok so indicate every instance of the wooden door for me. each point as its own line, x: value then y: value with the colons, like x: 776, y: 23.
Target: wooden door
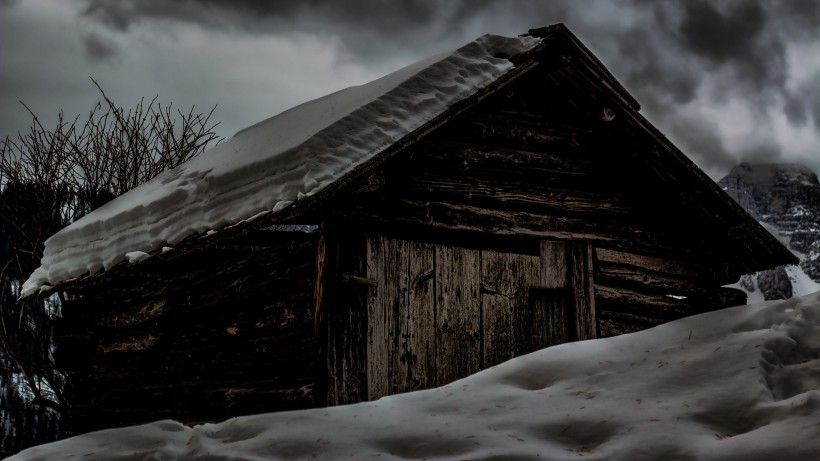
x: 438, y: 313
x: 563, y: 302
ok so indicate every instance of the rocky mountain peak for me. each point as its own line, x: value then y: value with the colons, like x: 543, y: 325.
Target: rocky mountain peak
x: 787, y: 197
x: 771, y: 191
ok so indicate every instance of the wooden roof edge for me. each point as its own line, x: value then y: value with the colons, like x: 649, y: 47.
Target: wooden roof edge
x: 561, y: 32
x: 188, y: 245
x: 309, y: 207
x: 524, y: 62
x: 775, y: 249
x: 681, y: 162
x: 772, y: 249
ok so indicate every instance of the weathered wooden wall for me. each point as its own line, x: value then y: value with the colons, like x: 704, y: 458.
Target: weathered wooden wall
x: 634, y: 292
x: 222, y: 332
x: 343, y: 304
x: 531, y: 162
x: 419, y: 314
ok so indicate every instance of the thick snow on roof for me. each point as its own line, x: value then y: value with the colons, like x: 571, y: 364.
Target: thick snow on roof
x: 737, y: 384
x: 271, y: 164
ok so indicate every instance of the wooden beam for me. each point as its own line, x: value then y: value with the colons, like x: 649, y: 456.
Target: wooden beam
x: 582, y: 285
x: 554, y: 269
x: 359, y: 281
x: 346, y: 315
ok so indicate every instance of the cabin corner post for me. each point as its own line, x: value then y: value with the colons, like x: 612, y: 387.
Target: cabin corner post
x: 567, y: 278
x: 320, y: 299
x: 340, y: 315
x: 583, y: 289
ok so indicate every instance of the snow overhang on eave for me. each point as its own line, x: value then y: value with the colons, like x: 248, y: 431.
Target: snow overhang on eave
x: 311, y: 208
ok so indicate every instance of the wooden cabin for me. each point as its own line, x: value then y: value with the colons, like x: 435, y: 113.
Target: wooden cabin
x: 542, y: 209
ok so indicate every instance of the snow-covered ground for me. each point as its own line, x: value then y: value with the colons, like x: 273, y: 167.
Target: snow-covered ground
x: 802, y: 284
x: 737, y: 384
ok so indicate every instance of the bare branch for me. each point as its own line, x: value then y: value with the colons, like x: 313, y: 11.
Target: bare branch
x: 49, y: 178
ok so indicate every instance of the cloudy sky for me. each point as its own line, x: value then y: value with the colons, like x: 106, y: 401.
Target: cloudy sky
x: 727, y: 81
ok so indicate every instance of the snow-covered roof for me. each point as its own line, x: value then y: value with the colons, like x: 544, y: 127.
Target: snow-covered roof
x: 270, y: 165
x: 317, y: 149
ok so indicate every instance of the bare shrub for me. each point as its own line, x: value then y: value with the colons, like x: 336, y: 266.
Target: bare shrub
x: 52, y: 177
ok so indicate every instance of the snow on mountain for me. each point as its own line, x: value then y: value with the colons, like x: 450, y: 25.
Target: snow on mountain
x: 268, y: 166
x: 736, y: 384
x: 785, y: 198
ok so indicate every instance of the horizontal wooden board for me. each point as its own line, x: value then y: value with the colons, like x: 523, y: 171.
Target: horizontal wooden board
x: 165, y: 341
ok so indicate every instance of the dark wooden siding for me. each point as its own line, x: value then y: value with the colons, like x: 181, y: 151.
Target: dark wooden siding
x: 435, y: 312
x: 533, y: 163
x: 342, y: 303
x: 634, y: 292
x: 222, y: 332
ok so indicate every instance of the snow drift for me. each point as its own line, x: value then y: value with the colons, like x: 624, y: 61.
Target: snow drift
x: 737, y: 384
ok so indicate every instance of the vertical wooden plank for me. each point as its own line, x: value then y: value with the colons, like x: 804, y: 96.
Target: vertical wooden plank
x: 458, y: 313
x: 507, y: 325
x: 553, y: 264
x: 497, y: 306
x: 538, y: 319
x: 342, y: 308
x: 552, y: 324
x: 418, y: 357
x: 506, y: 279
x: 527, y: 273
x: 560, y: 319
x: 582, y: 285
x: 377, y: 312
x: 319, y: 312
x: 325, y: 379
x: 353, y: 314
x: 395, y: 270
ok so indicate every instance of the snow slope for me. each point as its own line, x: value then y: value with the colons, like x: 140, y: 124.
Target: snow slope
x: 801, y: 283
x: 269, y: 165
x: 737, y: 384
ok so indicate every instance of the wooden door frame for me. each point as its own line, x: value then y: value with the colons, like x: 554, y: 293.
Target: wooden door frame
x: 578, y: 280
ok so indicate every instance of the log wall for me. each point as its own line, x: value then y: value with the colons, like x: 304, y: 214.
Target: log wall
x: 534, y: 163
x: 634, y: 292
x: 221, y: 332
x: 529, y: 162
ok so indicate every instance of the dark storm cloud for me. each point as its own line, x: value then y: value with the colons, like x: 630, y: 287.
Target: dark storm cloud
x: 796, y: 109
x: 371, y: 29
x: 670, y: 54
x: 122, y: 15
x: 803, y: 16
x: 718, y: 36
x: 813, y: 98
x: 698, y: 135
x: 762, y: 153
x: 738, y: 48
x: 376, y: 15
x: 99, y: 48
x: 648, y: 69
x: 738, y: 38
